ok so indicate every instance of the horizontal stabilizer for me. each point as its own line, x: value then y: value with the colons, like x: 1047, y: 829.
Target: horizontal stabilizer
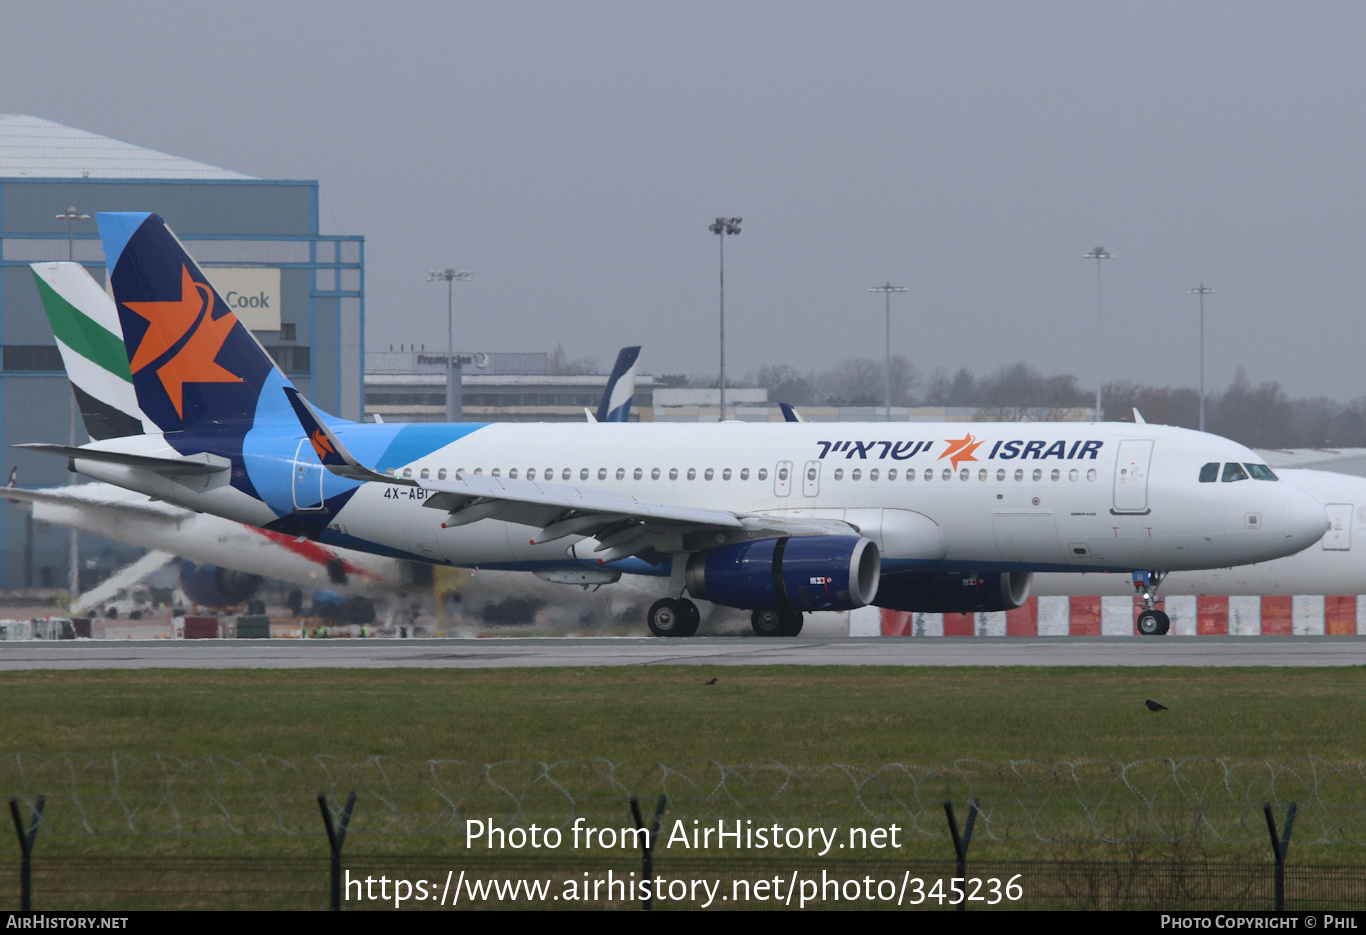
x: 203, y: 463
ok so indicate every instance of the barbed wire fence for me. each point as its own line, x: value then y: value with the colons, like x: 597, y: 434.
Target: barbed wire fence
x: 1209, y: 800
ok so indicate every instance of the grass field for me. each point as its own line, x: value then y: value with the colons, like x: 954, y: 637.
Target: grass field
x: 801, y: 717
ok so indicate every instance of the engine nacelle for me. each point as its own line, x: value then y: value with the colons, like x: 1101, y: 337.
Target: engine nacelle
x: 216, y: 586
x: 801, y: 572
x: 954, y: 593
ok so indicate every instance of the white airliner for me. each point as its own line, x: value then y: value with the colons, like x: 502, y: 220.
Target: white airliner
x: 778, y: 519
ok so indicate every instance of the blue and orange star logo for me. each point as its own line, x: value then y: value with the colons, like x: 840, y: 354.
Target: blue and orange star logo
x: 168, y: 323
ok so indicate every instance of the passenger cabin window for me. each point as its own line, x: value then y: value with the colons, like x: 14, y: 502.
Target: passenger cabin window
x: 673, y: 473
x: 530, y: 473
x: 654, y: 474
x: 1233, y: 471
x: 621, y: 473
x: 637, y: 474
x: 408, y: 472
x: 512, y: 473
x: 910, y: 473
x: 495, y: 472
x: 1209, y: 473
x: 583, y: 474
x: 744, y: 473
x: 567, y: 473
x: 782, y: 474
x: 839, y: 473
x: 441, y: 474
x: 425, y: 474
x: 692, y: 473
x: 710, y: 473
x: 725, y: 475
x: 602, y: 473
x: 1260, y: 472
x: 855, y: 474
x: 763, y: 474
x: 891, y: 473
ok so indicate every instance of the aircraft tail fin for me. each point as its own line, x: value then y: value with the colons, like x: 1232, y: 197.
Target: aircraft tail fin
x: 621, y: 386
x: 90, y: 340
x: 194, y: 366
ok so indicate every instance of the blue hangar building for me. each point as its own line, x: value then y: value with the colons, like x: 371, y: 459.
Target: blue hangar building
x: 301, y: 292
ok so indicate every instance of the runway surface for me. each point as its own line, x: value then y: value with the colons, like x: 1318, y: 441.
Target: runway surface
x: 503, y: 653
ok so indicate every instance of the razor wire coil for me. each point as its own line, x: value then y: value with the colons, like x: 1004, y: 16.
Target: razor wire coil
x: 1202, y: 799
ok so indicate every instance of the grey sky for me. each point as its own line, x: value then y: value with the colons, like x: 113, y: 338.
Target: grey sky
x: 572, y: 155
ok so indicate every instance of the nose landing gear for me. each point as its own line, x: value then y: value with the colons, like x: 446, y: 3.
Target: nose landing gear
x: 1151, y: 621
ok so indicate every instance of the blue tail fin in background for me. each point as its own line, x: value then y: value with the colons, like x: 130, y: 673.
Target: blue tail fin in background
x: 196, y: 368
x: 616, y: 399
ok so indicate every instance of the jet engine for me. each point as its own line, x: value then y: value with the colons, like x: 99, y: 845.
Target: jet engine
x: 800, y: 572
x: 954, y: 593
x: 216, y: 586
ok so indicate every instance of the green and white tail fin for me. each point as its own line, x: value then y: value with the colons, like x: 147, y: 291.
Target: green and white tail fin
x: 90, y: 338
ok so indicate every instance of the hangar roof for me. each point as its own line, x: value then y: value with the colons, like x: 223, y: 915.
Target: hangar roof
x: 31, y: 147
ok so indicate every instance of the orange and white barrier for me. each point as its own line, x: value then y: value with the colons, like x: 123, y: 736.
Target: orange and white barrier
x: 1300, y: 615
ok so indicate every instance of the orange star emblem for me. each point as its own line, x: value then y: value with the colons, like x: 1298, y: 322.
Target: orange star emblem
x: 960, y: 449
x: 168, y: 322
x: 321, y: 445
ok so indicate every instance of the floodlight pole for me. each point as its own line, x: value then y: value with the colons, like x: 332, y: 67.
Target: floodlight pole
x: 73, y: 574
x: 1098, y: 254
x: 453, y: 375
x: 721, y: 227
x: 887, y: 291
x: 1202, y: 291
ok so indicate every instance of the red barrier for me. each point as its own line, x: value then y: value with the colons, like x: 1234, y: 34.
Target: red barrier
x: 201, y: 628
x: 1340, y: 616
x: 1023, y: 620
x: 1278, y: 615
x: 1211, y: 616
x: 1085, y: 617
x: 959, y: 624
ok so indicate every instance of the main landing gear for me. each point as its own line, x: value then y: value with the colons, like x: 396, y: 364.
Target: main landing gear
x: 1151, y: 621
x: 673, y: 617
x: 785, y: 622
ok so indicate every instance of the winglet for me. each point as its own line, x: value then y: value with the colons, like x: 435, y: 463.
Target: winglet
x: 789, y: 413
x: 329, y: 449
x: 1138, y: 417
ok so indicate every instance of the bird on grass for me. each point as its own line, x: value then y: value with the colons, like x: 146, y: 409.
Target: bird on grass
x: 1154, y: 706
x: 712, y: 682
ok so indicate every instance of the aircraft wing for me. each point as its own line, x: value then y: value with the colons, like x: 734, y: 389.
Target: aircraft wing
x: 623, y: 525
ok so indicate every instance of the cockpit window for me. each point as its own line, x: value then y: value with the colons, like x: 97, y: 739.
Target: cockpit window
x: 1234, y: 471
x: 1260, y: 472
x: 1209, y: 473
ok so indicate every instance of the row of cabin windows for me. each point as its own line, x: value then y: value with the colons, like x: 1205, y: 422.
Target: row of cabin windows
x: 964, y: 474
x: 1233, y: 471
x: 586, y: 474
x: 874, y: 474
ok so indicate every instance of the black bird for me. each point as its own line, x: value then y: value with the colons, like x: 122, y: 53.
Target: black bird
x: 712, y: 682
x: 1154, y: 706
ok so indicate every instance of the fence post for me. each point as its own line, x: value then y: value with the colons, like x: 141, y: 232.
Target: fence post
x: 26, y: 849
x: 336, y: 837
x: 1279, y: 845
x: 960, y: 845
x: 647, y: 864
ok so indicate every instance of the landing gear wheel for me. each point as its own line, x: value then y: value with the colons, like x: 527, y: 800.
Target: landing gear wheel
x: 793, y: 620
x: 1153, y: 623
x: 768, y: 623
x: 668, y: 617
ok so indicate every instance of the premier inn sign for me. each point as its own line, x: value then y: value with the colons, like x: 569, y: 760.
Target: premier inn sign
x: 252, y: 292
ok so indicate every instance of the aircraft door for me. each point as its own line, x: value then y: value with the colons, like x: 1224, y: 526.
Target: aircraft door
x: 308, y: 478
x: 1131, y: 475
x: 811, y: 479
x: 782, y: 479
x: 1338, y: 538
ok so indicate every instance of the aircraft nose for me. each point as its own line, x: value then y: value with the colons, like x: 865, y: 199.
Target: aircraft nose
x: 1304, y: 520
